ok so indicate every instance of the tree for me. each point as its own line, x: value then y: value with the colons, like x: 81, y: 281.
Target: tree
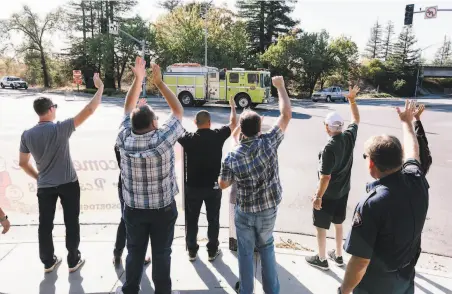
x: 305, y: 57
x: 179, y: 37
x: 373, y: 47
x: 169, y: 5
x: 34, y: 30
x: 444, y: 54
x: 405, y: 55
x: 346, y: 59
x: 266, y: 21
x: 387, y: 40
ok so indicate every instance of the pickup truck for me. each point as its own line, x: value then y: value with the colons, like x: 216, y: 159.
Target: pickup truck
x: 330, y: 94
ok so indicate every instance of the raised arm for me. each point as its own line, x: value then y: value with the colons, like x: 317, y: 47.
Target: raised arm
x: 352, y: 100
x: 284, y: 103
x: 174, y: 103
x: 89, y: 109
x: 424, y: 150
x: 233, y: 116
x: 139, y: 72
x: 410, y: 143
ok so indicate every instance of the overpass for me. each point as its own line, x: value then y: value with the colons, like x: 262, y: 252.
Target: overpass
x: 432, y: 71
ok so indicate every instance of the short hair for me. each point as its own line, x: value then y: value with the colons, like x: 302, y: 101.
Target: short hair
x: 250, y: 123
x: 202, y: 117
x: 385, y: 151
x: 42, y: 105
x: 142, y: 117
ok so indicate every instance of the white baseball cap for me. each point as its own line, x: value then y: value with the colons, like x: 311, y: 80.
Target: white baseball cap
x: 333, y: 119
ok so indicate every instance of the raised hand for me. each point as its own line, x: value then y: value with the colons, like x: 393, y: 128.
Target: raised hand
x: 97, y: 81
x: 139, y: 70
x: 6, y: 225
x: 232, y: 101
x: 278, y: 82
x: 156, y: 75
x: 407, y: 114
x: 142, y: 102
x: 419, y: 111
x: 352, y: 92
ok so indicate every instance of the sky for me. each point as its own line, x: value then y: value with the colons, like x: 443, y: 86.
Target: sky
x: 338, y: 17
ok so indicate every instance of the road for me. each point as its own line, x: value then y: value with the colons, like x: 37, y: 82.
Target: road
x: 92, y: 152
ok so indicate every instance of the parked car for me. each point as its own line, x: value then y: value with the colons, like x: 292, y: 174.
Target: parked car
x: 13, y: 82
x: 330, y: 95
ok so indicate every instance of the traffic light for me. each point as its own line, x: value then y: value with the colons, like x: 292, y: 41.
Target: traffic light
x: 409, y: 10
x: 147, y: 58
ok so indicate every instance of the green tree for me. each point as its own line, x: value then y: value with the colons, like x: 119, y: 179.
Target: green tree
x: 405, y: 54
x: 345, y: 53
x: 387, y: 42
x: 266, y: 21
x: 169, y: 5
x: 180, y: 37
x: 444, y: 54
x: 373, y: 48
x: 35, y: 30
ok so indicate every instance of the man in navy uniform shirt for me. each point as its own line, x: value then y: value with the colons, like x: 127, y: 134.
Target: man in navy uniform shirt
x: 385, y: 240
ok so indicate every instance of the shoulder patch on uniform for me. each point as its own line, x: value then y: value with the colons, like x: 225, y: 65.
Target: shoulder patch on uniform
x: 357, y: 220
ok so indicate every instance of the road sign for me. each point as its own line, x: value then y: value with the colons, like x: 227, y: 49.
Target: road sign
x: 76, y: 73
x: 431, y: 12
x: 113, y: 28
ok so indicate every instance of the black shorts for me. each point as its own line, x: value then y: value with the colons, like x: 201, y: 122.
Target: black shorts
x: 333, y: 211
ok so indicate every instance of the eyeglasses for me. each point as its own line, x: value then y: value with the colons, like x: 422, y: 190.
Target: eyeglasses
x: 54, y: 105
x: 365, y: 156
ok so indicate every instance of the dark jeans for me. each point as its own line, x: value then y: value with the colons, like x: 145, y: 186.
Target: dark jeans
x: 401, y: 282
x: 194, y: 197
x: 158, y: 225
x: 121, y: 233
x: 69, y: 195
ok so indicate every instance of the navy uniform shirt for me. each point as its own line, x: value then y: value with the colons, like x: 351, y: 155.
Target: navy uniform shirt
x: 387, y: 226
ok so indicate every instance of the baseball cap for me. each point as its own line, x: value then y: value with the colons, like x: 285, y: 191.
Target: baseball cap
x: 333, y: 119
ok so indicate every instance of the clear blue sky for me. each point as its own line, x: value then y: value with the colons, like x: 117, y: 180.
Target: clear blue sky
x: 338, y: 17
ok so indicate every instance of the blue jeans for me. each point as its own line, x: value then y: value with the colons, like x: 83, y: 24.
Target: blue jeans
x: 256, y: 230
x: 158, y: 225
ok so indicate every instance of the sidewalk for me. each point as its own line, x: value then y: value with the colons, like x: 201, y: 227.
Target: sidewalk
x: 21, y: 271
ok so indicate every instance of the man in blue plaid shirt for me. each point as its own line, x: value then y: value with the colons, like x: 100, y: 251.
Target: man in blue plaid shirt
x: 253, y: 166
x: 149, y: 182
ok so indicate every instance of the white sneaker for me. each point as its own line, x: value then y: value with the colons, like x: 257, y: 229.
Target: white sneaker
x: 119, y: 290
x: 80, y: 263
x: 56, y: 262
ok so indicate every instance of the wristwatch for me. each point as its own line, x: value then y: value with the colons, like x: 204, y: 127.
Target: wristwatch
x: 3, y: 219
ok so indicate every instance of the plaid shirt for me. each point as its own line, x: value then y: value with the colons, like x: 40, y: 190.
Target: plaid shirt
x: 253, y: 165
x: 147, y: 164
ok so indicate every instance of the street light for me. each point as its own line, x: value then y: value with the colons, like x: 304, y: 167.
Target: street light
x: 204, y: 16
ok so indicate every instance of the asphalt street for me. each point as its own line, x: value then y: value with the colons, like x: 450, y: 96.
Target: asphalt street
x: 92, y: 153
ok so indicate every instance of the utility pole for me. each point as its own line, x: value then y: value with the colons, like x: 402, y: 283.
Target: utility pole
x: 204, y: 14
x: 115, y: 30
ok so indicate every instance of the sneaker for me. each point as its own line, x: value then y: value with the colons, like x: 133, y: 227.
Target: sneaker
x: 338, y: 260
x: 192, y: 256
x: 316, y: 262
x: 119, y: 290
x: 79, y: 264
x: 56, y: 262
x: 214, y: 255
x: 237, y: 287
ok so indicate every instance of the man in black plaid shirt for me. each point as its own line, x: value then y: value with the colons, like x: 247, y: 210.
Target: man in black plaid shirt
x: 149, y: 182
x: 253, y: 166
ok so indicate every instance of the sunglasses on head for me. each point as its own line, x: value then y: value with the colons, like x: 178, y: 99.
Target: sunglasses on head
x: 54, y: 105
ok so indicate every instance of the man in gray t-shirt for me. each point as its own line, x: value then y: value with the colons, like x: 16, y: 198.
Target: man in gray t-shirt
x: 48, y: 143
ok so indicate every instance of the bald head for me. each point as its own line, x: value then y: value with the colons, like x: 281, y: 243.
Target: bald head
x: 202, y: 119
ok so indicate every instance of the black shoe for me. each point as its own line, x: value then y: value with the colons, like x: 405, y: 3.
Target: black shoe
x: 79, y: 264
x: 237, y: 287
x: 192, y: 255
x: 338, y: 260
x: 55, y: 264
x: 316, y: 262
x: 213, y: 255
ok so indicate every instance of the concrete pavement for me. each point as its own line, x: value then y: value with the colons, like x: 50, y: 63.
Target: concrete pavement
x: 21, y: 271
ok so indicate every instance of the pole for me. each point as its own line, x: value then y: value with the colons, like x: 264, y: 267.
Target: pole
x: 143, y: 44
x: 205, y: 36
x: 417, y: 80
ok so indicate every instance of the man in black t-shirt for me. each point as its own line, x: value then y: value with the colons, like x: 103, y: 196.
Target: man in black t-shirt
x: 330, y: 199
x: 204, y: 150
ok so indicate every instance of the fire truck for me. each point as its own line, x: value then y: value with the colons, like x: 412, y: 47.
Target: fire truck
x: 195, y: 85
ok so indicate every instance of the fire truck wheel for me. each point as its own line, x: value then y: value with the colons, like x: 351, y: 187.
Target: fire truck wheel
x: 243, y: 101
x: 186, y: 99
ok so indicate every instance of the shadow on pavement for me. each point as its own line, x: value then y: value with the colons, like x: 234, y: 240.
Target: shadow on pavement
x: 75, y: 283
x: 47, y: 285
x: 434, y: 284
x: 422, y: 289
x: 207, y: 277
x: 225, y: 270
